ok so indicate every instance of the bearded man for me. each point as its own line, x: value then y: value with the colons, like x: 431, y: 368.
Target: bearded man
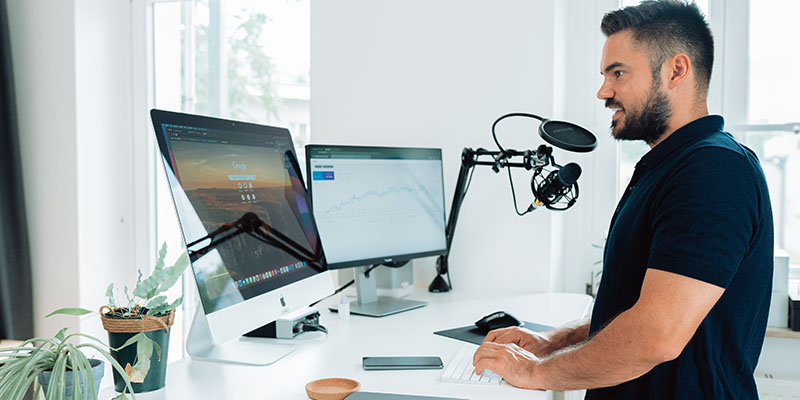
x: 682, y: 307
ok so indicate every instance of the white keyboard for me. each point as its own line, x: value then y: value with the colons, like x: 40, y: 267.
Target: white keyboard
x: 460, y: 369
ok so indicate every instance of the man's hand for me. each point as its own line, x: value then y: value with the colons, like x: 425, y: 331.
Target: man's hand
x: 515, y: 364
x: 538, y: 344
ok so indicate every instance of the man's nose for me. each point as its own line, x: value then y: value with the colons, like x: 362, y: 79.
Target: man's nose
x: 605, y: 92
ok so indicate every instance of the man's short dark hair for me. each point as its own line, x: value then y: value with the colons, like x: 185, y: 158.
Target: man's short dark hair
x: 666, y: 28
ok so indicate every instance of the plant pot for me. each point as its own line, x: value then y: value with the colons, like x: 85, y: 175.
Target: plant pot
x: 120, y: 330
x: 98, y: 369
x: 157, y: 375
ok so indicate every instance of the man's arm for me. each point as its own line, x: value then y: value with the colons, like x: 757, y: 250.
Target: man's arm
x: 654, y: 330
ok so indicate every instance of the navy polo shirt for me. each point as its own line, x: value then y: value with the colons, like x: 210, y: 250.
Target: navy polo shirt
x: 697, y: 206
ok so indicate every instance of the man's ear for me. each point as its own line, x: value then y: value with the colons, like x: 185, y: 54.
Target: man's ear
x: 678, y: 66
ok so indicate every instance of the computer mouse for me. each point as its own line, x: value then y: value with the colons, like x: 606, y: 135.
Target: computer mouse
x: 497, y: 320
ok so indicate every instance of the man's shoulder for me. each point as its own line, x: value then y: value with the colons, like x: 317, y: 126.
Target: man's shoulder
x: 720, y: 149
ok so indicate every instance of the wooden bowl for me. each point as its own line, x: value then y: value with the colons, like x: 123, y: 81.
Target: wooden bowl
x: 331, y: 388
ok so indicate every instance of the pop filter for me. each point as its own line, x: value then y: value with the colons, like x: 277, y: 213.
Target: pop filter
x: 567, y: 136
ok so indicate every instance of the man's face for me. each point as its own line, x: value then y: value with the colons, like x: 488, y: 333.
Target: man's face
x: 642, y: 108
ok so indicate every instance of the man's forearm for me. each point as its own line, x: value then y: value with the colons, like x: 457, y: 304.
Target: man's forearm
x: 617, y: 354
x: 567, y: 335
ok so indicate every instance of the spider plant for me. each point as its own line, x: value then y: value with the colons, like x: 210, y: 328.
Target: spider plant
x: 21, y: 367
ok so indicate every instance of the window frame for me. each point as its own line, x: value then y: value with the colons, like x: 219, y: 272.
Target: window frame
x: 147, y: 158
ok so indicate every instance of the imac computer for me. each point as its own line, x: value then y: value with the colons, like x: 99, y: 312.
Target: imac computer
x: 377, y: 205
x: 253, y: 244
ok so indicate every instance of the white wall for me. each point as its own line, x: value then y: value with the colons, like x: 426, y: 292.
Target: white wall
x: 437, y: 74
x: 587, y: 222
x: 104, y: 153
x: 72, y: 66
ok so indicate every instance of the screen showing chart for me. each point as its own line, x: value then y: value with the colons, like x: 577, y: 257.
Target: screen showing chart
x: 377, y: 204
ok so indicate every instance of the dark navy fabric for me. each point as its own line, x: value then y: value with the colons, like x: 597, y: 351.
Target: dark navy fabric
x: 697, y: 206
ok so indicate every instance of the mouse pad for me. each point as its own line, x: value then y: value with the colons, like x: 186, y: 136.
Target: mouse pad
x: 472, y: 334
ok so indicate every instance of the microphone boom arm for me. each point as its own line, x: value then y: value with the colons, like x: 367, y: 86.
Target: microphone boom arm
x: 536, y: 160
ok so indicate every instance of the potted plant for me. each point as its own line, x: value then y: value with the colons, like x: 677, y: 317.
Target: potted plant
x: 145, y: 311
x: 52, y: 366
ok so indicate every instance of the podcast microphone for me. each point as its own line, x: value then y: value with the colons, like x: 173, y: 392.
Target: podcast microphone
x: 556, y: 185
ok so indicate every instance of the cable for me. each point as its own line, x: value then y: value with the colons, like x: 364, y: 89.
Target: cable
x: 314, y: 328
x: 494, y: 135
x: 469, y: 181
x: 514, y: 196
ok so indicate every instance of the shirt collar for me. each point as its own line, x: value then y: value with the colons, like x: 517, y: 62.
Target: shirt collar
x: 692, y: 131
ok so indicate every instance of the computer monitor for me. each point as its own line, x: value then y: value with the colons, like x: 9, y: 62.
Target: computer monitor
x: 377, y: 205
x: 252, y: 241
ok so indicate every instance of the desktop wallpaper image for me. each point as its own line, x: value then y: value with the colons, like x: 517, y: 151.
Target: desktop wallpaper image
x: 223, y: 183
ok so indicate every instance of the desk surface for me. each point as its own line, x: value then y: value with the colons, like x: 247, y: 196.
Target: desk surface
x: 339, y: 355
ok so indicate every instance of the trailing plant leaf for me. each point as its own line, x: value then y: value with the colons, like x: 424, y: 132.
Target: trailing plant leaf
x: 144, y: 350
x: 69, y: 311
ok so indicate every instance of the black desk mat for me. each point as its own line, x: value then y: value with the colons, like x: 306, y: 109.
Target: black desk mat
x: 471, y: 333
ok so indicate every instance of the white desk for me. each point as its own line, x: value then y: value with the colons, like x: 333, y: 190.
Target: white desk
x: 339, y: 355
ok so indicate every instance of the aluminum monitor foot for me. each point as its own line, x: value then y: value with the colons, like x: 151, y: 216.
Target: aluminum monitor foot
x: 382, y: 307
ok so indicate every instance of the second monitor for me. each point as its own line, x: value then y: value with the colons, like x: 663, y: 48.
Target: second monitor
x: 376, y: 205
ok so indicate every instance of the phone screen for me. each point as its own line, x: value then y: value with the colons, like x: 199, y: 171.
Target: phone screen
x: 377, y: 363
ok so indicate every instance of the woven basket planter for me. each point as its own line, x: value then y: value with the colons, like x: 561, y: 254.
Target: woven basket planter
x: 144, y: 323
x: 120, y: 329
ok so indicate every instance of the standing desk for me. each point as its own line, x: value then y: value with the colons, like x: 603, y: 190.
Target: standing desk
x: 339, y: 354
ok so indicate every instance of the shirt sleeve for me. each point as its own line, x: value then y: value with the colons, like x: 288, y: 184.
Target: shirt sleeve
x: 707, y: 216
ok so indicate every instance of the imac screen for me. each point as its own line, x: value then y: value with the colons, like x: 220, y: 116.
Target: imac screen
x: 242, y: 207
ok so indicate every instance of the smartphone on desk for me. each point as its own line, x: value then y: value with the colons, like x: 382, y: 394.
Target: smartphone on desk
x: 394, y: 363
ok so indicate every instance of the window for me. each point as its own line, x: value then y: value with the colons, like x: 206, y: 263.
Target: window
x: 772, y: 129
x: 238, y: 59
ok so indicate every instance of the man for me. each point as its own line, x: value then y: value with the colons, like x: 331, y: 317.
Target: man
x: 682, y: 307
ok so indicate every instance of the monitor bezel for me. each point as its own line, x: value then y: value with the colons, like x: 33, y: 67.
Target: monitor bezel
x: 227, y: 324
x: 395, y: 258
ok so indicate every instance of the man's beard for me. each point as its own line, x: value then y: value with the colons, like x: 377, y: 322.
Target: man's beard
x: 650, y: 123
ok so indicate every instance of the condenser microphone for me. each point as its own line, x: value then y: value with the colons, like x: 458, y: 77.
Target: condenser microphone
x: 556, y: 185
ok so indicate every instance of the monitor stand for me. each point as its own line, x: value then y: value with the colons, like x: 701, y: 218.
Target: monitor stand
x: 372, y: 305
x: 244, y: 350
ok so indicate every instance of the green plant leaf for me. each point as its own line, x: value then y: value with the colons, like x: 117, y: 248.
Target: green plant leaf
x: 135, y: 338
x: 164, y: 307
x: 69, y: 311
x: 144, y: 350
x: 162, y: 254
x: 61, y: 334
x: 110, y: 294
x: 174, y: 273
x: 114, y: 364
x: 157, y: 302
x: 149, y: 287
